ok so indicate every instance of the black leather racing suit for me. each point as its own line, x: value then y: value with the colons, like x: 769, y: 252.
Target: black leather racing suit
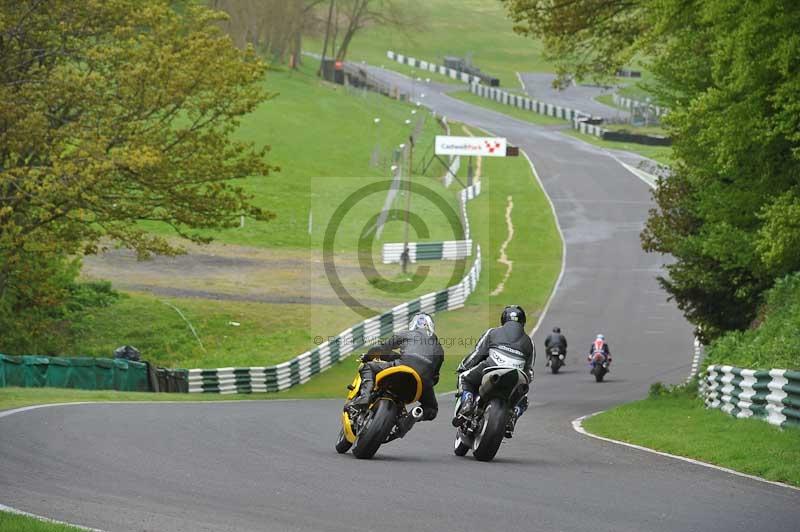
x: 418, y: 350
x: 555, y: 340
x: 512, y: 340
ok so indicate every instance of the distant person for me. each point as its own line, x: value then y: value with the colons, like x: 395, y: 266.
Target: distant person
x: 557, y: 340
x: 600, y: 346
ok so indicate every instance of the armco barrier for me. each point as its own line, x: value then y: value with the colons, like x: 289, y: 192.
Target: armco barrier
x: 86, y: 373
x: 772, y: 395
x: 447, y: 250
x: 301, y: 368
x: 431, y: 67
x: 629, y: 103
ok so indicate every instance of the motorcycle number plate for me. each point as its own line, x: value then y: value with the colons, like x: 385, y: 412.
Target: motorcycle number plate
x: 501, y: 359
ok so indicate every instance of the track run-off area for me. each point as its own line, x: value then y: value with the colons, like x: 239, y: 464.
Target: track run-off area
x: 271, y: 465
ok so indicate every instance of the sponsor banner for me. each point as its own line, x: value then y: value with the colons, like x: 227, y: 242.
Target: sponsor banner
x: 483, y: 146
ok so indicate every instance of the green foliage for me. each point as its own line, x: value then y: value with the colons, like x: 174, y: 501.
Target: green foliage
x: 111, y: 113
x: 775, y: 343
x: 40, y: 300
x: 730, y: 72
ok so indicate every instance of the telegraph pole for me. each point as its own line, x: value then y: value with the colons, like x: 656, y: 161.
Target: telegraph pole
x: 406, y: 254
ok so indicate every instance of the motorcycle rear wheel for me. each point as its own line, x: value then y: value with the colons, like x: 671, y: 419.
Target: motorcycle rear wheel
x: 342, y: 445
x: 376, y: 430
x: 554, y: 367
x: 487, y: 442
x: 598, y: 376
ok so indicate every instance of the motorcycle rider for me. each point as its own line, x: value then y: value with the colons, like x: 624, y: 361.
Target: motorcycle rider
x: 600, y: 346
x: 511, y: 339
x: 419, y: 348
x: 555, y: 339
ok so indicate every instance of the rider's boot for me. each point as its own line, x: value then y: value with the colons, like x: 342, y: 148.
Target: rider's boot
x: 466, y: 408
x: 362, y: 399
x: 512, y: 421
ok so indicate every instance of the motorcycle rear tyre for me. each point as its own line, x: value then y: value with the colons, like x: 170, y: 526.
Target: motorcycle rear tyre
x: 377, y: 429
x: 487, y: 443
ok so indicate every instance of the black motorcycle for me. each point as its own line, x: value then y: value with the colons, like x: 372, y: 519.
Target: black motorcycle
x: 483, y: 430
x: 556, y: 359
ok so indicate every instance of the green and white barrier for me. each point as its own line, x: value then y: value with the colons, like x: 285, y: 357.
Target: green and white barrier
x: 431, y: 67
x: 629, y: 103
x: 772, y: 395
x: 417, y: 251
x: 301, y: 368
x: 525, y: 103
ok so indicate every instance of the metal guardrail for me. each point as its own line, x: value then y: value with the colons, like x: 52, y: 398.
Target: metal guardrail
x: 772, y: 395
x: 417, y: 251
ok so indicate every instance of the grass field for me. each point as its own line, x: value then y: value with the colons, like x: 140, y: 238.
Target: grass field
x: 454, y: 27
x: 21, y: 523
x: 322, y: 135
x: 678, y: 423
x: 521, y: 114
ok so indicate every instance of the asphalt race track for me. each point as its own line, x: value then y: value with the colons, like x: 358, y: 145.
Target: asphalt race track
x: 271, y: 466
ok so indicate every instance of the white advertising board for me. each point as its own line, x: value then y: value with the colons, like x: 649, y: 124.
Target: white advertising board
x: 483, y: 146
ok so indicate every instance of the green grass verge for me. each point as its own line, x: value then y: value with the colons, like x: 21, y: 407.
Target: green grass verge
x: 454, y: 27
x: 608, y: 99
x: 23, y: 523
x: 678, y: 423
x: 661, y: 154
x: 521, y: 114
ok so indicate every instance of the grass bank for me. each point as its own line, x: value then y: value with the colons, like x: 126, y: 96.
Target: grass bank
x: 22, y: 523
x: 455, y: 27
x: 678, y: 423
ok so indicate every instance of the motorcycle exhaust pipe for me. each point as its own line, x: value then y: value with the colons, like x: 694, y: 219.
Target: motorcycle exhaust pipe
x: 417, y: 413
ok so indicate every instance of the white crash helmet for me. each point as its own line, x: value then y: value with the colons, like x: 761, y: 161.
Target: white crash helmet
x: 600, y: 337
x: 422, y: 322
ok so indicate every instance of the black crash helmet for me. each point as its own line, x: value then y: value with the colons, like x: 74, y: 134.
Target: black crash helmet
x: 557, y: 330
x: 513, y: 313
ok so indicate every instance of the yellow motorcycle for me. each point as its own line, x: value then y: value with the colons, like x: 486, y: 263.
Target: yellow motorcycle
x: 385, y: 418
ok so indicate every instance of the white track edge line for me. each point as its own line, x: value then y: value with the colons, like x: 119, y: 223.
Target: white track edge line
x: 519, y: 77
x: 9, y: 509
x: 577, y: 425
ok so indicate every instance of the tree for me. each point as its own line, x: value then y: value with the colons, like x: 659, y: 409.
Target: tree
x: 274, y: 27
x: 729, y: 212
x: 111, y: 113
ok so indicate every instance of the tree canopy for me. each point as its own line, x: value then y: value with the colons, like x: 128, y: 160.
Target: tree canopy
x: 729, y: 212
x: 113, y: 112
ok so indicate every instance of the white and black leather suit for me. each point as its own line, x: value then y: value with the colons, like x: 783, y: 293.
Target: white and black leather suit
x: 510, y: 339
x: 419, y: 350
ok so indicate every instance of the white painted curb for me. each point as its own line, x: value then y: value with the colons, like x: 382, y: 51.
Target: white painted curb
x: 577, y: 425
